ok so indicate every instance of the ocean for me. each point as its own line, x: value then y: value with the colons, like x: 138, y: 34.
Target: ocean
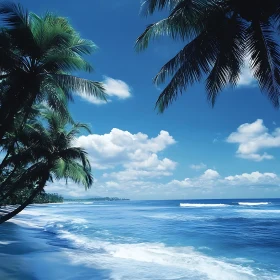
x: 126, y: 240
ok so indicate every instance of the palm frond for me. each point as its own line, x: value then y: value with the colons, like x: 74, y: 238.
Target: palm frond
x: 65, y: 61
x: 73, y: 171
x: 186, y: 20
x: 188, y: 66
x: 57, y: 100
x: 230, y: 58
x: 76, y: 154
x: 148, y: 7
x: 80, y: 86
x: 265, y: 58
x: 82, y: 46
x: 51, y: 33
x: 14, y: 16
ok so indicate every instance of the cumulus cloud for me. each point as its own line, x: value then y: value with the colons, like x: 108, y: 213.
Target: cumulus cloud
x: 252, y: 178
x: 131, y: 151
x: 133, y: 165
x: 212, y: 179
x: 117, y: 88
x: 132, y: 174
x: 253, y: 138
x: 124, y: 160
x: 114, y: 88
x: 198, y: 166
x: 207, y: 179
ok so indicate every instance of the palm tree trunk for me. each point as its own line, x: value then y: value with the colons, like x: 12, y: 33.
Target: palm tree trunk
x: 40, y: 187
x: 18, y: 183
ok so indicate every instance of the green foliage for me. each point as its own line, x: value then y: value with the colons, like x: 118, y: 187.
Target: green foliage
x: 38, y: 55
x: 37, y: 132
x: 219, y: 35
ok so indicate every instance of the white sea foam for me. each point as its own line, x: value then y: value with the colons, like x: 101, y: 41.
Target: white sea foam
x: 260, y: 211
x: 179, y: 217
x: 25, y: 223
x: 152, y: 261
x: 253, y: 203
x: 7, y: 242
x: 202, y: 205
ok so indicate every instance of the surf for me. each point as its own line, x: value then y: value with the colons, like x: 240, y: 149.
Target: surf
x: 252, y: 203
x: 202, y: 205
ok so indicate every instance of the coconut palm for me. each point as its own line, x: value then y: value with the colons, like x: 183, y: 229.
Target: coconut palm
x: 219, y: 36
x: 37, y: 57
x: 53, y: 157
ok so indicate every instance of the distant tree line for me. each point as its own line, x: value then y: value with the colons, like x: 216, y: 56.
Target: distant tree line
x: 19, y: 196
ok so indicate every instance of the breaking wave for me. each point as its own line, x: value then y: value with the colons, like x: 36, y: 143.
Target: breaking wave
x: 202, y: 205
x: 252, y: 203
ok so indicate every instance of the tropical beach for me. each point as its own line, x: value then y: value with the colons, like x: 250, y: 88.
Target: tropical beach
x: 139, y: 140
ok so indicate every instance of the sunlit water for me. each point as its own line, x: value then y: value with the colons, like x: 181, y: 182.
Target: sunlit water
x: 198, y: 239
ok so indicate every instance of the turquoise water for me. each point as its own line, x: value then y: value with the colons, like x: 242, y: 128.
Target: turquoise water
x: 196, y: 239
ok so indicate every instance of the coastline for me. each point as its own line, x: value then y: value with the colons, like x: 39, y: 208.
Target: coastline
x: 26, y: 256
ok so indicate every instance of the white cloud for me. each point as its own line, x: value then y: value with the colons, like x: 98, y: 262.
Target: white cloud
x: 252, y: 178
x: 131, y: 151
x: 253, y: 138
x: 210, y: 174
x: 113, y: 88
x: 198, y: 166
x: 127, y: 160
x: 132, y: 174
x: 133, y: 165
x: 134, y: 155
x: 207, y: 179
x: 143, y: 184
x: 212, y: 179
x: 117, y: 88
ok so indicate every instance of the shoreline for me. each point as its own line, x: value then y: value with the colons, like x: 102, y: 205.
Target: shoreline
x: 26, y: 256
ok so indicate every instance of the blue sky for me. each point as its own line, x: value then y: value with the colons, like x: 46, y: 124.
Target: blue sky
x: 190, y: 151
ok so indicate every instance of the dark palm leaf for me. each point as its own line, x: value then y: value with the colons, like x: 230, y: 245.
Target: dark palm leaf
x: 236, y: 29
x: 231, y: 54
x: 14, y: 15
x: 188, y: 66
x: 150, y: 6
x: 80, y: 86
x: 265, y: 56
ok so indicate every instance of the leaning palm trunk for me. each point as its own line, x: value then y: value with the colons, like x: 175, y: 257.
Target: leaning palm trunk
x: 28, y: 201
x: 54, y: 155
x: 18, y: 183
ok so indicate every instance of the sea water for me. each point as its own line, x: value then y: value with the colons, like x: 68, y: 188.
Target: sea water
x: 126, y: 240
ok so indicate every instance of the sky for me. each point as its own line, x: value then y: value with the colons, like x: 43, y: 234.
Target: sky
x: 191, y: 151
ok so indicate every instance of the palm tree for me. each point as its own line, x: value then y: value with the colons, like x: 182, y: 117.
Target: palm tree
x: 37, y: 56
x: 53, y: 156
x: 220, y: 35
